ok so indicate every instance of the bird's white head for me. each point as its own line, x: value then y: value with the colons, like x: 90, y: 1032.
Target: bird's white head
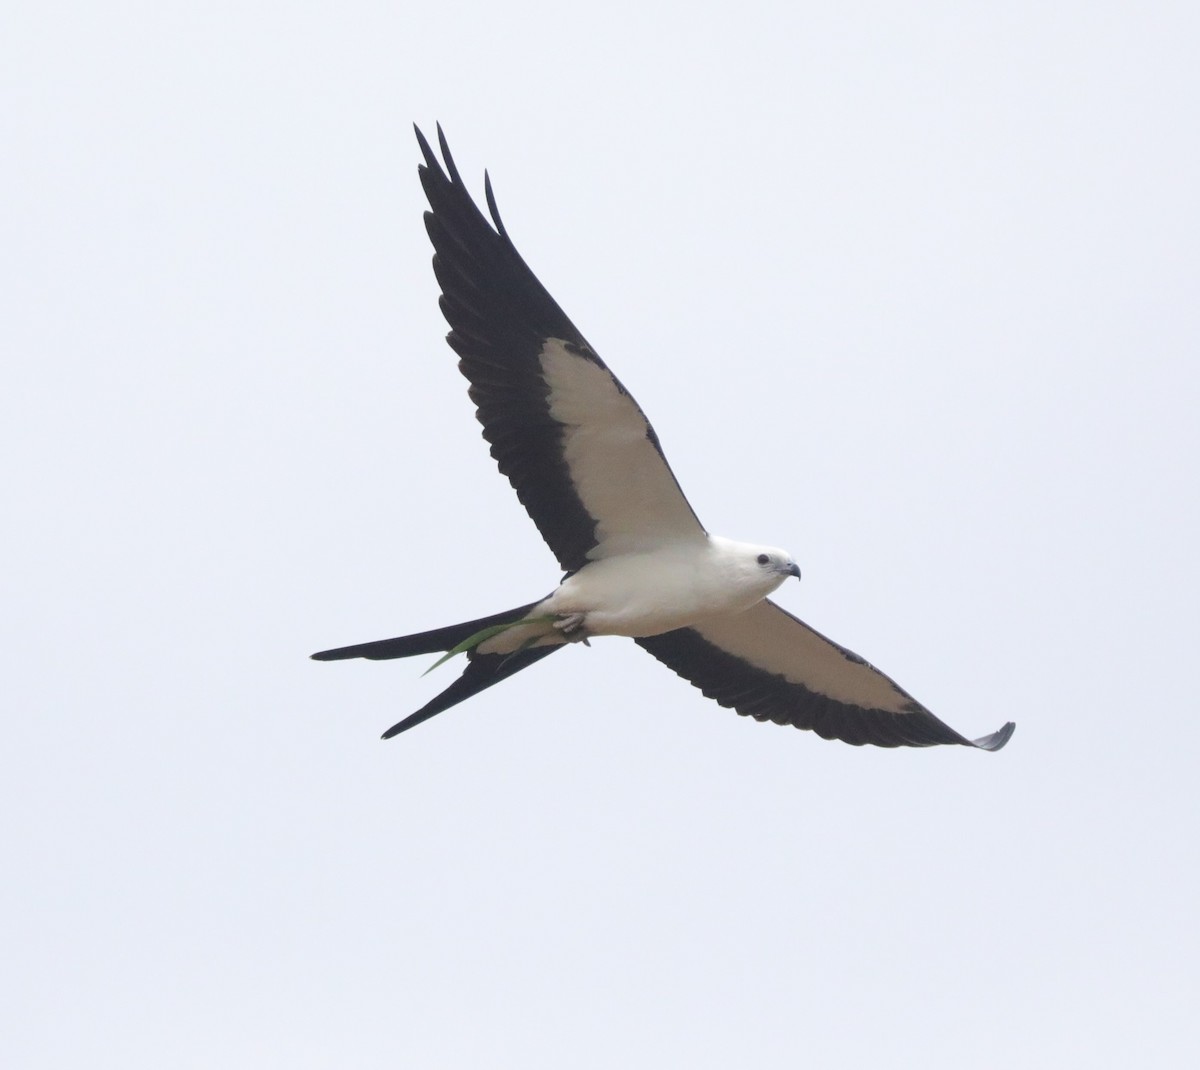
x: 758, y: 569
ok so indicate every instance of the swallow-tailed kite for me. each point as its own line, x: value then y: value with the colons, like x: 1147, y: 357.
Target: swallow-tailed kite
x: 588, y: 468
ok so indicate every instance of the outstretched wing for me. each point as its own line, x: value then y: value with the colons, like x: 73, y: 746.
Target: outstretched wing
x: 578, y: 450
x: 771, y: 666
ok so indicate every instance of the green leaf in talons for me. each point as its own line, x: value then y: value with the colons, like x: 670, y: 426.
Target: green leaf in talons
x: 484, y: 634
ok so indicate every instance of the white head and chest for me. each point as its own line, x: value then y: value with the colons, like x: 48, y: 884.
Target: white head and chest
x: 672, y: 586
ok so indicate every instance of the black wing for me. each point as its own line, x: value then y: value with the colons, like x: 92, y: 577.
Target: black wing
x: 578, y: 450
x: 771, y: 666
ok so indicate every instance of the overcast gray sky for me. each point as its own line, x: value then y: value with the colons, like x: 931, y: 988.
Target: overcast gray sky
x: 908, y: 289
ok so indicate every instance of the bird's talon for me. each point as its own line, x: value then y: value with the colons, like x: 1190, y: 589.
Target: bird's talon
x: 569, y: 622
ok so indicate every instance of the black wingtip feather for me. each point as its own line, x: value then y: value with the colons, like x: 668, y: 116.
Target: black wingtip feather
x: 451, y: 169
x: 426, y: 151
x: 491, y: 203
x: 997, y: 739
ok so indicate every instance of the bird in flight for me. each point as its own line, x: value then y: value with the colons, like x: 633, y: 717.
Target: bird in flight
x: 590, y: 471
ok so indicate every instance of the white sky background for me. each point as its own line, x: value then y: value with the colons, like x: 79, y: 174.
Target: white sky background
x: 910, y: 291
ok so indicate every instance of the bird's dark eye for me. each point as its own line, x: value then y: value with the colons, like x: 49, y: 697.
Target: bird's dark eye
x: 763, y: 559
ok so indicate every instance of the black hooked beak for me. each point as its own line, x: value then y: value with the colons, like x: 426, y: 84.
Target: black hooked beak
x: 793, y: 570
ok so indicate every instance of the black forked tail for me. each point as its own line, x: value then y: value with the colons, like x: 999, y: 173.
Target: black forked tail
x: 434, y: 642
x: 481, y: 672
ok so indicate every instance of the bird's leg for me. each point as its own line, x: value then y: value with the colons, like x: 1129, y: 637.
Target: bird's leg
x: 571, y: 625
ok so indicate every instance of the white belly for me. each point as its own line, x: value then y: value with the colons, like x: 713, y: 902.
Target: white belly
x: 647, y: 594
